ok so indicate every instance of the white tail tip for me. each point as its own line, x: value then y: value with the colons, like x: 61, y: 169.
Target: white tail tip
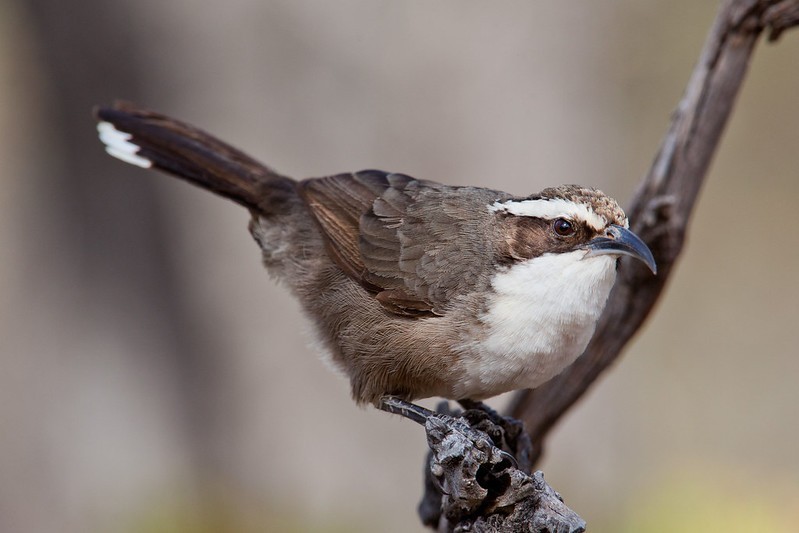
x: 117, y: 143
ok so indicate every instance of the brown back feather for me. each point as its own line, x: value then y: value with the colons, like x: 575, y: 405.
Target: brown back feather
x: 416, y: 244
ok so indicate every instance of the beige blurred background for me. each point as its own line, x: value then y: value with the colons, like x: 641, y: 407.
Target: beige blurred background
x: 153, y: 378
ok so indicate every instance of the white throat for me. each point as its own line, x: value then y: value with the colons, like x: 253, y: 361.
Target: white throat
x: 539, y: 320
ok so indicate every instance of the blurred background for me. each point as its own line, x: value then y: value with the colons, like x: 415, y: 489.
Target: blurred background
x: 154, y: 379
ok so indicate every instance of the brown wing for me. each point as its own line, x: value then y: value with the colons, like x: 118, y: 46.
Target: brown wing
x: 337, y: 203
x: 415, y: 244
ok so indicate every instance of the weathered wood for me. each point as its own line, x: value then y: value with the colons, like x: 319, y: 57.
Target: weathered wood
x: 473, y: 483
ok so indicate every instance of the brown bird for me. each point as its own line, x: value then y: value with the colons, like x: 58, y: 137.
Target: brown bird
x: 415, y: 289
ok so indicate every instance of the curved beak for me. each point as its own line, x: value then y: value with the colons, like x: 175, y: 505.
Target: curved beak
x: 621, y: 241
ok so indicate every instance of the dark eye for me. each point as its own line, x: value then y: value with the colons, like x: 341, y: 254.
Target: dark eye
x: 563, y: 227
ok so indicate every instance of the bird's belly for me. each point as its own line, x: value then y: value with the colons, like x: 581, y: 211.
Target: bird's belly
x: 539, y: 320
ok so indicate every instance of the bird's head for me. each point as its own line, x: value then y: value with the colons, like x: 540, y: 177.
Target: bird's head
x: 566, y: 219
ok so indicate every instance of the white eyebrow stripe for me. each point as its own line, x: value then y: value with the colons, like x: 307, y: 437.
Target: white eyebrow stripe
x: 551, y: 208
x: 117, y: 143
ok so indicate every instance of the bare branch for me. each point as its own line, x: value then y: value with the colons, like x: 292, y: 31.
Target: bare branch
x: 475, y: 486
x: 662, y: 206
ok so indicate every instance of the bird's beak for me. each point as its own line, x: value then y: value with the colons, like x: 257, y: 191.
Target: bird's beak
x: 621, y: 241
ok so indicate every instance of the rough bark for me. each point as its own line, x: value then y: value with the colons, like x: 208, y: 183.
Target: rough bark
x: 477, y: 477
x: 483, y: 491
x: 662, y: 206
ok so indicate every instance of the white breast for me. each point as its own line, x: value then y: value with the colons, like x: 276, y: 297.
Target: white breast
x: 539, y: 320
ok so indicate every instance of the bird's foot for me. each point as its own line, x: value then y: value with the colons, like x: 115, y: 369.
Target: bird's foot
x: 472, y: 478
x: 398, y: 406
x: 473, y: 482
x: 506, y: 433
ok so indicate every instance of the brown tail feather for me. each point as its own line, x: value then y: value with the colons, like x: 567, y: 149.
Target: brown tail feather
x: 149, y: 139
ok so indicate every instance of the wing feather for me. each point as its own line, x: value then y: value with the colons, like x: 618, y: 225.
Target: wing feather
x: 415, y: 244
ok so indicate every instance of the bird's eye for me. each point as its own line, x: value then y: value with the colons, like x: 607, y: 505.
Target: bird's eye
x: 563, y: 227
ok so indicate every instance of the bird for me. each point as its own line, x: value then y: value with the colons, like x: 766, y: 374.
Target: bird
x: 415, y: 289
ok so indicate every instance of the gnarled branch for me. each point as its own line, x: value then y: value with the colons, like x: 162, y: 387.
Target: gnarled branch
x: 662, y: 206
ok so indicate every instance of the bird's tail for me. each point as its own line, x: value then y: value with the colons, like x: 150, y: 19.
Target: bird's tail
x: 152, y: 140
